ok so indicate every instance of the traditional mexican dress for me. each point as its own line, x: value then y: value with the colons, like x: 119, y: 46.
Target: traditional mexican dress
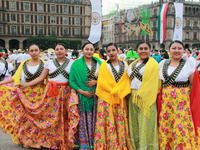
x: 112, y: 124
x: 143, y: 127
x: 47, y: 118
x: 80, y: 73
x: 176, y: 127
x: 8, y: 100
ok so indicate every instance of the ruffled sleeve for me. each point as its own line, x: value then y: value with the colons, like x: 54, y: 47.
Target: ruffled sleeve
x: 190, y: 66
x: 47, y: 64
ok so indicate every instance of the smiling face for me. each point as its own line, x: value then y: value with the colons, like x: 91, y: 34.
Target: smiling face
x: 112, y: 52
x: 34, y: 51
x: 88, y: 51
x: 143, y: 51
x: 176, y: 51
x: 60, y: 51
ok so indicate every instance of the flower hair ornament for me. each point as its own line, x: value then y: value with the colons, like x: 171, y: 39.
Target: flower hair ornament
x: 73, y: 57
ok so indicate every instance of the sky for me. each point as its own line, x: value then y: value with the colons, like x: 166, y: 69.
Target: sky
x: 108, y: 5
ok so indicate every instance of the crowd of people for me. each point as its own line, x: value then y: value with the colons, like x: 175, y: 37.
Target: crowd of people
x: 105, y: 99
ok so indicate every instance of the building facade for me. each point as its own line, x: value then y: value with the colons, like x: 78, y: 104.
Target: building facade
x: 191, y: 23
x: 64, y: 19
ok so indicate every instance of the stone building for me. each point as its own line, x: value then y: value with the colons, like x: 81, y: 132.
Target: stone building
x: 191, y: 23
x: 64, y: 19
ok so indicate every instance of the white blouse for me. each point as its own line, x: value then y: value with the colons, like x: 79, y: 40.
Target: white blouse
x: 3, y: 68
x: 186, y: 71
x: 31, y: 69
x: 135, y: 83
x: 97, y: 69
x: 51, y: 67
x: 116, y: 68
x: 122, y: 55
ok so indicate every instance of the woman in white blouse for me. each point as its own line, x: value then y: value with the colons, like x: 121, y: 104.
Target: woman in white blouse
x: 57, y: 115
x: 176, y: 127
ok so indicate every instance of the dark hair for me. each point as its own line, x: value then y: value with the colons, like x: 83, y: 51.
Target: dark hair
x: 109, y: 44
x: 85, y: 45
x: 11, y: 50
x: 163, y: 50
x: 102, y: 52
x: 190, y: 51
x: 32, y: 45
x: 61, y: 45
x: 75, y: 52
x: 142, y: 42
x: 121, y: 49
x: 176, y: 41
x: 96, y: 49
x: 155, y: 50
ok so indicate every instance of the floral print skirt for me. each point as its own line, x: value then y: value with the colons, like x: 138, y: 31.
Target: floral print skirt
x: 143, y: 130
x: 43, y: 121
x: 6, y: 123
x: 176, y: 127
x: 112, y: 131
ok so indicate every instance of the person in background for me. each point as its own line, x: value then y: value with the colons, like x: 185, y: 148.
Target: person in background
x: 46, y: 55
x: 189, y: 53
x: 185, y: 54
x: 26, y: 55
x: 19, y: 58
x: 164, y: 54
x: 131, y: 56
x: 156, y: 56
x: 121, y: 54
x: 11, y: 57
x: 96, y: 53
x: 75, y: 55
x: 103, y: 55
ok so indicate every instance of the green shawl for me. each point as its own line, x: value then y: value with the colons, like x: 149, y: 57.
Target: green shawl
x: 77, y: 79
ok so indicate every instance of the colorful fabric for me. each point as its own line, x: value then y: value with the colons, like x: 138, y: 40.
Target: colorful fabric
x: 17, y: 75
x: 86, y: 128
x: 77, y: 79
x: 146, y: 96
x: 6, y: 124
x: 106, y: 85
x: 96, y: 55
x: 176, y: 127
x: 43, y: 121
x: 143, y: 130
x: 112, y: 131
x: 162, y: 22
x: 8, y: 84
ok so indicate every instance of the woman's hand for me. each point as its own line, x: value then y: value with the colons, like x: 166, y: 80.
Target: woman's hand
x: 91, y: 83
x: 73, y: 91
x: 22, y: 86
x: 87, y: 94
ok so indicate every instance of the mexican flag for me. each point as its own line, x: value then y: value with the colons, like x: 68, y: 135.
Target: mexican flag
x: 162, y: 22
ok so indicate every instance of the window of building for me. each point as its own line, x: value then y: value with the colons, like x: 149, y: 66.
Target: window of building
x: 53, y: 19
x: 195, y: 23
x: 187, y: 35
x: 74, y: 1
x: 195, y: 36
x: 27, y: 30
x: 65, y: 31
x: 76, y: 20
x: 65, y: 20
x: 40, y: 30
x: 80, y: 1
x: 49, y: 0
x: 0, y: 30
x: 62, y: 1
x: 13, y: 29
x: 40, y: 7
x: 0, y: 16
x: 40, y: 19
x: 26, y: 18
x: 65, y: 8
x: 67, y: 1
x: 53, y: 31
x: 77, y: 31
x: 187, y: 23
x: 77, y: 9
x: 13, y: 17
x: 12, y: 5
x: 55, y: 0
x: 52, y: 7
x: 26, y: 5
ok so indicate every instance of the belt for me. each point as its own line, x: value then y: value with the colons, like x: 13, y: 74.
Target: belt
x: 53, y: 90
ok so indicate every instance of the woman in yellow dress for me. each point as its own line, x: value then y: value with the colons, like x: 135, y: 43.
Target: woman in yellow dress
x: 176, y: 126
x: 12, y: 98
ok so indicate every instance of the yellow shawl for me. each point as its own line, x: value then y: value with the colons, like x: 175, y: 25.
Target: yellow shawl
x: 17, y: 74
x: 150, y: 87
x: 105, y: 85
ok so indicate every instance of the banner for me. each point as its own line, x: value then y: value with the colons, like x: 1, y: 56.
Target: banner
x: 162, y: 22
x: 95, y: 29
x: 178, y: 29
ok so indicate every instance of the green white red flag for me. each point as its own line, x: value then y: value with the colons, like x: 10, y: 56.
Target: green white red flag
x: 162, y: 22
